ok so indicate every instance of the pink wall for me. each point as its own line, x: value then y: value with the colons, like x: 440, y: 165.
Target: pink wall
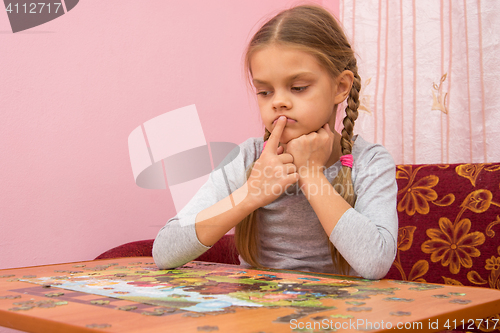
x: 72, y: 90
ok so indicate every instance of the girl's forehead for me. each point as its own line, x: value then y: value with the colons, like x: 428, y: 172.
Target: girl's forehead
x: 282, y: 59
x: 282, y: 50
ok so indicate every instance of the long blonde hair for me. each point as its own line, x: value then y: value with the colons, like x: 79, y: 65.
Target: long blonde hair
x: 314, y: 30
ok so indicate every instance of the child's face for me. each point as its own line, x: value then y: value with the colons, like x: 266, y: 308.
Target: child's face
x: 291, y: 82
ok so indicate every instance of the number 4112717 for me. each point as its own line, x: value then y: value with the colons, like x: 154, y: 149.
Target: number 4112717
x: 33, y: 8
x: 471, y: 323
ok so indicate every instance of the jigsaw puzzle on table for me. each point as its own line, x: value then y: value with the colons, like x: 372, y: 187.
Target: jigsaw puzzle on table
x: 201, y: 290
x: 197, y: 287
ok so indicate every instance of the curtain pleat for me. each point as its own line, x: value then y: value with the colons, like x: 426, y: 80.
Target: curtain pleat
x: 430, y: 75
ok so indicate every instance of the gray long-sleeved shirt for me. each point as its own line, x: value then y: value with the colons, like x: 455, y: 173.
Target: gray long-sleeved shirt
x: 290, y: 234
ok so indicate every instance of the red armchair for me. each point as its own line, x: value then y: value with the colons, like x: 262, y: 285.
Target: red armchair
x: 224, y: 251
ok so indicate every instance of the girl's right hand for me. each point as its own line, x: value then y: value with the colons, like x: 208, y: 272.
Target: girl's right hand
x: 273, y: 172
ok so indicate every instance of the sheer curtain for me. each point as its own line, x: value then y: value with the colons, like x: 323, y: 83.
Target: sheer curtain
x: 430, y: 75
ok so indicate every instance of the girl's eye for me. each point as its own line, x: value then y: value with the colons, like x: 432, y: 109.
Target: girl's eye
x: 299, y: 89
x: 263, y: 93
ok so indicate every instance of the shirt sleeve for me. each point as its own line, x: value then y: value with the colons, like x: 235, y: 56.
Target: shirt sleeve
x: 177, y: 242
x: 366, y: 235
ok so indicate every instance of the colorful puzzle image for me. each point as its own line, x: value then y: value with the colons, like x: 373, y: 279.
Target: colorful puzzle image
x: 197, y: 287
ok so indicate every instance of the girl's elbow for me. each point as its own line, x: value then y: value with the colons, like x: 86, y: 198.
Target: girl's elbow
x: 163, y: 263
x: 159, y: 260
x: 380, y: 264
x: 160, y: 257
x: 374, y: 275
x: 378, y: 269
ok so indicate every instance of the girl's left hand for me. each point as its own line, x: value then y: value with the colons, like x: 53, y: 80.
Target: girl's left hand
x: 311, y: 151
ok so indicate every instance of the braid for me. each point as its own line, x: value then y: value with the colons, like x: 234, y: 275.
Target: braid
x: 343, y: 182
x: 351, y: 110
x: 267, y: 134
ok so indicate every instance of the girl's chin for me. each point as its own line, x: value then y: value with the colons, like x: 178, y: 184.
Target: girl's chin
x: 287, y: 135
x: 285, y: 139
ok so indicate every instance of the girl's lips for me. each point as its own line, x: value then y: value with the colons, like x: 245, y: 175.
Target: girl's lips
x: 288, y: 121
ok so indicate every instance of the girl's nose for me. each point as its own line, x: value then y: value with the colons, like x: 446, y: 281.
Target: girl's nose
x: 281, y: 101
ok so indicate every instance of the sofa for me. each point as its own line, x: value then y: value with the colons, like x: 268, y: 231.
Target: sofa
x: 449, y: 216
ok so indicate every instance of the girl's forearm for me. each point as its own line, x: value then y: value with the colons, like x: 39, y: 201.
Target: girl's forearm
x: 326, y: 202
x: 215, y: 221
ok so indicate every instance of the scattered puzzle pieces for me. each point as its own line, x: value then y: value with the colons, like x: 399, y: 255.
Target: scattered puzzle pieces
x: 194, y: 314
x: 457, y: 294
x: 152, y: 313
x: 10, y: 297
x: 341, y: 316
x: 28, y: 305
x: 127, y: 308
x: 400, y: 313
x: 359, y: 309
x: 460, y: 301
x: 418, y: 286
x: 398, y: 299
x: 22, y: 308
x: 98, y: 326
x: 208, y: 328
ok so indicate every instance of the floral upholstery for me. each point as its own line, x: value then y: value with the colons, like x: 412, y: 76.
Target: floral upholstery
x: 448, y: 219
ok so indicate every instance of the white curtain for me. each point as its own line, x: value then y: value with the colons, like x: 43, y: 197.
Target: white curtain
x: 431, y: 77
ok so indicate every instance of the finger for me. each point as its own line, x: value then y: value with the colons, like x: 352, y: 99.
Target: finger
x: 280, y: 150
x: 286, y: 158
x: 290, y: 168
x: 291, y: 179
x: 327, y: 128
x: 274, y: 139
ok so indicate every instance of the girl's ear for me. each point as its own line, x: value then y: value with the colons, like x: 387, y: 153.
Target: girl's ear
x: 344, y: 84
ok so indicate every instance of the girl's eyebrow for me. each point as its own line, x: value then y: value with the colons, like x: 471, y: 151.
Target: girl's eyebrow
x: 290, y: 78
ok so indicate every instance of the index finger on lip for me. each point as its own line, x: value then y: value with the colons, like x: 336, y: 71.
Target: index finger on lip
x: 274, y: 139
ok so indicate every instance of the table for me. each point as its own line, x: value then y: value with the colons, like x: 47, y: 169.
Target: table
x: 132, y: 295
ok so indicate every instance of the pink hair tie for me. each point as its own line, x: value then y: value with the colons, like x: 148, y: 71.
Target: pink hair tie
x: 346, y: 160
x: 264, y: 147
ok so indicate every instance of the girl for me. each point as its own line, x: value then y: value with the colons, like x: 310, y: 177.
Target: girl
x: 304, y: 197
